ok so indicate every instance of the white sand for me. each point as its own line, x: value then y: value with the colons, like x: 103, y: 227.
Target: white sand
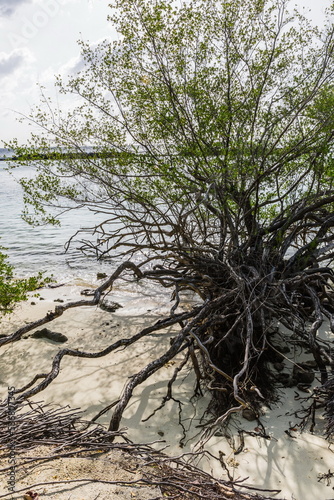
x: 284, y: 463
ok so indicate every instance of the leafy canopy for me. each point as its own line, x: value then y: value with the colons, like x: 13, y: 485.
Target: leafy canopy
x: 207, y: 116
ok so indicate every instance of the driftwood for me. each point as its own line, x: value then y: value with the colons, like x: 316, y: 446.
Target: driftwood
x: 28, y: 424
x: 65, y: 434
x: 329, y: 387
x: 325, y: 399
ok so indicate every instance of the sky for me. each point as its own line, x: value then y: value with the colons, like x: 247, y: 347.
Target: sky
x: 38, y: 40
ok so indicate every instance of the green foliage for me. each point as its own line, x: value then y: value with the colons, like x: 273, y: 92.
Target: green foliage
x: 218, y: 109
x: 13, y: 290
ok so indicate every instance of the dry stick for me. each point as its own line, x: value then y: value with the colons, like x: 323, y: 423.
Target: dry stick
x: 209, y: 431
x: 312, y: 335
x: 119, y: 483
x: 212, y: 365
x: 155, y: 365
x: 139, y: 482
x: 141, y: 376
x: 96, y: 440
x: 256, y: 489
x: 159, y: 325
x: 46, y: 428
x: 169, y: 394
x: 68, y: 481
x: 136, y: 449
x: 102, y: 412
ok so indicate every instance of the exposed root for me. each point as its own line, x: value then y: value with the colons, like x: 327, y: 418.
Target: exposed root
x: 230, y: 337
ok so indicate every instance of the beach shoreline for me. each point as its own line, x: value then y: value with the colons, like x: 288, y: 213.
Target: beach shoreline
x: 291, y: 462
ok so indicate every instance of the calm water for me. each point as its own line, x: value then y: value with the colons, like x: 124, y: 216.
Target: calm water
x: 32, y: 249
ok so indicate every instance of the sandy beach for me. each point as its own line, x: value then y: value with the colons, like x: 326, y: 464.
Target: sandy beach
x: 288, y: 461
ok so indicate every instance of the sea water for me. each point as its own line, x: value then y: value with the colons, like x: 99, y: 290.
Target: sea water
x: 43, y: 248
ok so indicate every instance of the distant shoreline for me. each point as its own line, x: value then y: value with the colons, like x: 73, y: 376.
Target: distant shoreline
x: 60, y: 156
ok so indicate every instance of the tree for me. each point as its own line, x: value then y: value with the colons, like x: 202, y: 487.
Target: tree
x: 211, y: 128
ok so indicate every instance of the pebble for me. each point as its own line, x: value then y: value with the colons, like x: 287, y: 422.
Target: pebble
x: 249, y: 414
x: 45, y: 333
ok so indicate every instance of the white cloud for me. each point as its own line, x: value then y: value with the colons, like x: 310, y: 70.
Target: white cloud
x: 73, y: 66
x: 77, y: 63
x: 8, y: 7
x: 10, y: 62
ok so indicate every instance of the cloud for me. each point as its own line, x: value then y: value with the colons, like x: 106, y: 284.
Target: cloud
x: 10, y: 62
x: 8, y: 7
x: 14, y: 60
x: 78, y: 63
x: 73, y: 66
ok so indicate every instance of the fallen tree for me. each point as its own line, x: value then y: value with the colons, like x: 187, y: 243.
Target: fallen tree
x: 211, y: 124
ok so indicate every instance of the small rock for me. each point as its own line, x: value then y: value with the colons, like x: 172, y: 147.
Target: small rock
x: 249, y: 414
x: 56, y: 285
x: 101, y: 276
x: 303, y: 376
x: 286, y: 380
x: 33, y: 303
x: 87, y: 292
x: 45, y: 333
x: 309, y: 364
x: 277, y: 357
x: 282, y: 377
x: 110, y: 306
x: 41, y: 298
x: 161, y: 433
x: 303, y: 387
x: 284, y: 349
x: 279, y: 366
x: 292, y: 382
x: 30, y: 495
x: 58, y: 300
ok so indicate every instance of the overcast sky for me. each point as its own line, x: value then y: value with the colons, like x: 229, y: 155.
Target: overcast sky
x: 38, y: 40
